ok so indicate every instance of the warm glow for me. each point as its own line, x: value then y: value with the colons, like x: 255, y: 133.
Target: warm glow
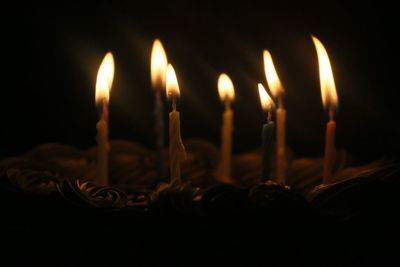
x: 105, y: 77
x: 328, y: 88
x: 273, y: 81
x: 225, y: 88
x: 266, y: 101
x: 172, y: 82
x: 159, y: 64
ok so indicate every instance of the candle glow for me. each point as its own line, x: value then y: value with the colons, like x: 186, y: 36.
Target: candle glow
x: 225, y: 88
x: 327, y: 82
x: 273, y: 80
x: 105, y: 76
x: 159, y: 65
x: 266, y: 101
x: 172, y: 87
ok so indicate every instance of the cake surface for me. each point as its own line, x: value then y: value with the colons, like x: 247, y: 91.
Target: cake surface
x: 49, y: 196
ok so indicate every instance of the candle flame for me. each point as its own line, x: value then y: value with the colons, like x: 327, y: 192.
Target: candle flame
x: 271, y: 75
x: 266, y: 100
x: 105, y: 76
x: 225, y: 88
x: 328, y: 88
x: 159, y: 65
x: 172, y: 87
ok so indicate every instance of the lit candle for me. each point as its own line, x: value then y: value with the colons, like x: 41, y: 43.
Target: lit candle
x: 267, y: 133
x: 176, y: 149
x: 329, y: 100
x: 104, y: 81
x: 158, y: 70
x: 227, y: 94
x: 277, y: 91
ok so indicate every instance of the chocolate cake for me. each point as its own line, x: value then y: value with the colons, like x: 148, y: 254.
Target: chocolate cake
x: 49, y: 196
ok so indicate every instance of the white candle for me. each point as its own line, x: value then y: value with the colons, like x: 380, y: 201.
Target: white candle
x: 176, y: 148
x: 104, y: 81
x: 227, y: 94
x: 102, y: 147
x: 277, y: 91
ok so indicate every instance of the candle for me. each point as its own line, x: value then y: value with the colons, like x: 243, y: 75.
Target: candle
x: 176, y: 149
x: 158, y: 70
x: 104, y: 81
x: 329, y: 100
x: 277, y: 91
x: 227, y: 94
x: 267, y: 134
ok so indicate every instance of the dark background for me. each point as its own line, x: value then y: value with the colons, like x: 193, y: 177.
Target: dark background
x: 53, y: 53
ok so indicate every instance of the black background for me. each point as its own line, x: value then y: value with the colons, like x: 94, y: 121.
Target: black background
x: 53, y: 52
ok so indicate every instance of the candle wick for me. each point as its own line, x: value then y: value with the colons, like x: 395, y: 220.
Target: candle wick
x: 173, y: 103
x: 227, y: 103
x: 269, y: 115
x: 280, y: 101
x: 158, y: 96
x: 331, y: 114
x: 104, y: 110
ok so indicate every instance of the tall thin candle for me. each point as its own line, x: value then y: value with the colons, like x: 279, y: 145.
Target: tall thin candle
x: 329, y: 100
x: 176, y: 148
x: 227, y: 94
x: 267, y: 134
x: 158, y: 70
x: 104, y: 81
x: 277, y: 91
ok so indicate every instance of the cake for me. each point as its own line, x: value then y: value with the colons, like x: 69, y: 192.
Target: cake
x: 55, y: 214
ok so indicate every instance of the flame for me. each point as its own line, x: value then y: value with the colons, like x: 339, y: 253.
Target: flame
x: 225, y: 88
x: 105, y: 76
x: 271, y: 75
x: 266, y: 100
x: 159, y: 65
x: 172, y: 82
x: 328, y: 88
